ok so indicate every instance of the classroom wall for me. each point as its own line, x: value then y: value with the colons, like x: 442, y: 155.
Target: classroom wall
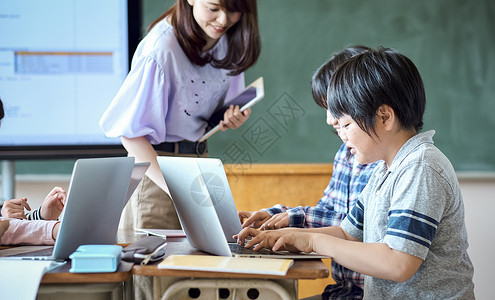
x: 451, y: 42
x: 479, y: 206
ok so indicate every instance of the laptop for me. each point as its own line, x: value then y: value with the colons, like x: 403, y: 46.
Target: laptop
x: 203, y: 200
x: 99, y: 189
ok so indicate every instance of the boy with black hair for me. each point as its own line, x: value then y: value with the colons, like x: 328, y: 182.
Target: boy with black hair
x: 407, y: 230
x: 349, y: 177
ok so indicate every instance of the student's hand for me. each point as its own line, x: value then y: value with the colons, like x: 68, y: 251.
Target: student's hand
x: 253, y: 219
x: 233, y: 117
x: 56, y: 229
x: 277, y: 221
x: 54, y: 204
x: 282, y: 239
x: 4, y: 225
x: 14, y: 208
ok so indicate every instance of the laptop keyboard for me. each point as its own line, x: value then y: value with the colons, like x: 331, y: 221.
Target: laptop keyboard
x: 42, y: 252
x: 238, y: 249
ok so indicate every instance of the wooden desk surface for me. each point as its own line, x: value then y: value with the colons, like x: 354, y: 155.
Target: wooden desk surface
x: 301, y: 269
x: 123, y: 273
x: 62, y: 275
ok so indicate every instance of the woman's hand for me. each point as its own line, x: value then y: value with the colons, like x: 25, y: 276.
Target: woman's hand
x: 234, y: 118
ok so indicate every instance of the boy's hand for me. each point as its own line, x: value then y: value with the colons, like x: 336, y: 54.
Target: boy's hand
x: 14, y: 208
x: 253, y: 219
x: 233, y: 117
x: 277, y: 221
x: 4, y: 225
x: 283, y: 239
x: 54, y: 204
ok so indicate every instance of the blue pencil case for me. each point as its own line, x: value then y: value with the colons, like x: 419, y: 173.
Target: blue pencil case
x: 95, y: 259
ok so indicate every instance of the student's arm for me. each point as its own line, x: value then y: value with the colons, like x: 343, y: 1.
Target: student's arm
x: 143, y: 151
x: 36, y: 232
x: 374, y: 259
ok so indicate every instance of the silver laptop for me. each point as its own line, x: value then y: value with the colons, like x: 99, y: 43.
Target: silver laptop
x: 99, y: 189
x: 206, y: 209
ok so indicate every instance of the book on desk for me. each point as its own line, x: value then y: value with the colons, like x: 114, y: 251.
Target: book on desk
x: 269, y: 266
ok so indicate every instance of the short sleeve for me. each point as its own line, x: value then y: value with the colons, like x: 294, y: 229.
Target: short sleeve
x: 141, y: 105
x: 416, y: 210
x: 353, y: 223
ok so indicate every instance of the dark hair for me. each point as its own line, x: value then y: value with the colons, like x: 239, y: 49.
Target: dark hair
x: 321, y: 78
x: 2, y: 112
x: 375, y: 78
x: 244, y: 44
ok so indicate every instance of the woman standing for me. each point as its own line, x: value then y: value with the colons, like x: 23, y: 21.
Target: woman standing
x: 189, y: 63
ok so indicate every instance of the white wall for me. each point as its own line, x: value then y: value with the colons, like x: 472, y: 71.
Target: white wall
x: 479, y: 202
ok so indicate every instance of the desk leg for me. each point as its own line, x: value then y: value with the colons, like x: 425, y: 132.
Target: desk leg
x: 233, y: 289
x: 110, y: 291
x: 129, y: 289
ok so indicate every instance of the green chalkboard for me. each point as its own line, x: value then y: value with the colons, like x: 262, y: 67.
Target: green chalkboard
x: 451, y: 41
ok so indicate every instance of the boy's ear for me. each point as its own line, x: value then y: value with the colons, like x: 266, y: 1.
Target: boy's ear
x: 386, y: 116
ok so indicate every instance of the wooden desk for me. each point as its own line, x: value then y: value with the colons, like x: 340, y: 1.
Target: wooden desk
x: 209, y: 283
x: 59, y: 283
x: 62, y: 275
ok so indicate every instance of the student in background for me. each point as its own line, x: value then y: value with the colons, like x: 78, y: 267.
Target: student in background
x: 14, y: 231
x: 192, y: 59
x: 50, y: 209
x: 407, y: 230
x: 28, y: 232
x: 349, y: 177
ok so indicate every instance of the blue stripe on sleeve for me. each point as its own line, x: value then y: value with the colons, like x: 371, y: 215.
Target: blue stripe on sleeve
x: 412, y: 225
x: 408, y: 237
x: 414, y: 213
x: 356, y: 217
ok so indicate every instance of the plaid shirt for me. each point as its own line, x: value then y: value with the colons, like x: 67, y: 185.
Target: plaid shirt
x: 338, y: 199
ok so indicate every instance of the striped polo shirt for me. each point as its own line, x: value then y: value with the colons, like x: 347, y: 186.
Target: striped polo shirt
x: 415, y: 206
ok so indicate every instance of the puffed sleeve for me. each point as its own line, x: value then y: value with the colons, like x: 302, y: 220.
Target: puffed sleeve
x: 236, y: 86
x: 140, y: 106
